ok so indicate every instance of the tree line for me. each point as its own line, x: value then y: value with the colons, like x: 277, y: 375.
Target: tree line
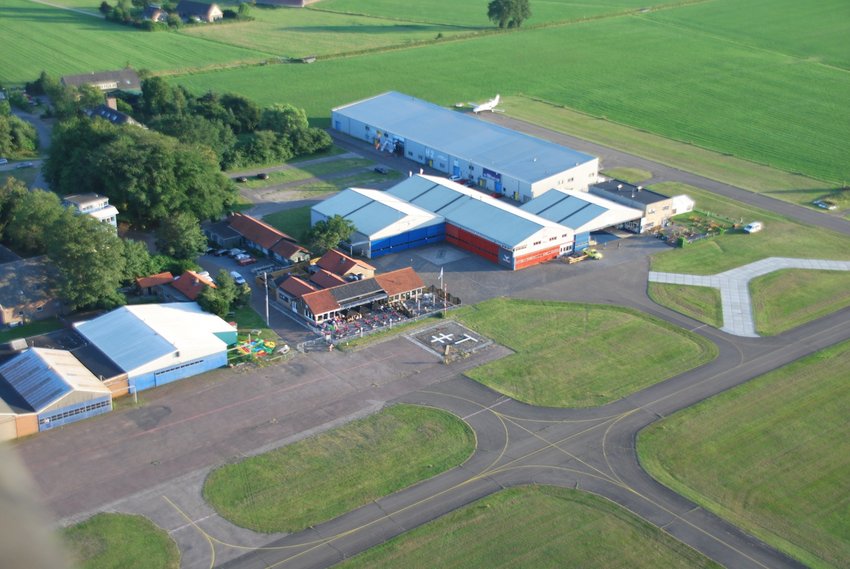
x: 17, y: 136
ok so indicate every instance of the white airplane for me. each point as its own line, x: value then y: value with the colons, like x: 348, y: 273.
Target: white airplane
x: 488, y: 106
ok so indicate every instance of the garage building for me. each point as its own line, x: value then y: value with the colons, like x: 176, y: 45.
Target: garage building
x: 498, y: 159
x: 156, y: 344
x: 384, y: 223
x: 42, y: 388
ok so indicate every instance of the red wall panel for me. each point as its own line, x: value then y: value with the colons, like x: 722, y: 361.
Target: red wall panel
x: 537, y: 257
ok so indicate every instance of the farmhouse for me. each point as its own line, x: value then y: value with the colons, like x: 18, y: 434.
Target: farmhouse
x: 122, y: 80
x: 156, y: 344
x: 94, y: 205
x: 495, y: 158
x: 656, y: 209
x: 42, y: 388
x: 201, y: 11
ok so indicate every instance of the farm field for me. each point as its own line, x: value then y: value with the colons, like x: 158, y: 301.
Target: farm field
x: 701, y: 303
x: 709, y: 92
x: 771, y: 456
x: 545, y: 335
x: 781, y: 237
x: 317, y: 479
x: 38, y: 37
x: 533, y: 526
x: 107, y: 541
x: 786, y: 299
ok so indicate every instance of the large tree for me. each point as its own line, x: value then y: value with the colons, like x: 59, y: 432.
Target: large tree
x: 11, y: 192
x: 90, y: 259
x: 180, y: 236
x: 328, y: 234
x: 508, y: 13
x: 226, y: 296
x: 31, y: 221
x: 137, y: 261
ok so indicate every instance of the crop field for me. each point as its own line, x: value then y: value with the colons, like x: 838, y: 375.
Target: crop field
x: 771, y: 456
x: 545, y: 335
x: 781, y: 237
x: 763, y: 105
x: 533, y: 526
x: 787, y: 299
x: 38, y: 37
x: 317, y: 479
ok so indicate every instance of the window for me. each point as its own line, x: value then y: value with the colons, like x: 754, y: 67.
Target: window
x: 553, y: 238
x: 537, y: 242
x: 651, y: 211
x: 666, y: 207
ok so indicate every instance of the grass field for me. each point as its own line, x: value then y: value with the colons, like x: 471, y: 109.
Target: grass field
x: 579, y: 355
x: 110, y: 541
x: 294, y: 222
x: 31, y: 329
x: 307, y: 171
x: 771, y: 456
x: 630, y: 175
x: 709, y: 91
x: 699, y: 302
x: 38, y: 37
x: 781, y: 237
x: 787, y: 299
x: 319, y: 478
x: 533, y: 526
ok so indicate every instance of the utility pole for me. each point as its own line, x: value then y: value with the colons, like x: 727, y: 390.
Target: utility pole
x: 266, y: 285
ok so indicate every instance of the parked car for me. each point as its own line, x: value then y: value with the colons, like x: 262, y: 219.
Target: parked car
x: 246, y: 261
x: 237, y: 278
x: 221, y: 252
x: 825, y: 204
x: 4, y: 161
x: 242, y: 179
x: 235, y: 252
x: 262, y: 176
x: 381, y: 169
x: 753, y: 227
x: 24, y: 165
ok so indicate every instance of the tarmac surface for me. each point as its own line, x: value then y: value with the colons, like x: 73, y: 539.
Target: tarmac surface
x: 152, y: 458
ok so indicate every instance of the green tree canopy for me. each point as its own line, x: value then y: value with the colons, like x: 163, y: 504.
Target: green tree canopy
x: 226, y: 296
x: 180, y: 236
x: 11, y: 192
x: 90, y: 259
x: 137, y: 261
x: 508, y: 13
x: 31, y: 221
x: 325, y: 235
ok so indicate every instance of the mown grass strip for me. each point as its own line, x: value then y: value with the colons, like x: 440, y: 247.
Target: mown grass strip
x: 110, y: 541
x: 534, y: 526
x: 579, y: 355
x: 771, y: 456
x: 320, y: 478
x: 697, y: 302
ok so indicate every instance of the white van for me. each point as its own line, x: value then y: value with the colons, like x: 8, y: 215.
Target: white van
x: 237, y: 278
x: 753, y: 227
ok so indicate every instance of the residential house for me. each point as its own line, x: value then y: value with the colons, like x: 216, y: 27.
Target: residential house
x: 199, y: 11
x: 188, y: 286
x: 122, y: 80
x: 28, y: 291
x: 152, y: 285
x: 268, y: 240
x: 94, y: 205
x: 154, y: 14
x: 220, y: 233
x: 344, y: 266
x: 113, y: 115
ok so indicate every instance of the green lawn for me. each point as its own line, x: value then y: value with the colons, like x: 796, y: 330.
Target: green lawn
x: 31, y: 329
x: 781, y: 237
x: 320, y: 478
x: 786, y: 299
x: 630, y: 175
x: 699, y: 302
x: 534, y: 526
x: 363, y: 180
x: 121, y: 541
x: 307, y: 171
x: 579, y: 355
x: 249, y: 321
x: 37, y: 37
x: 771, y: 456
x: 294, y: 222
x: 698, y: 88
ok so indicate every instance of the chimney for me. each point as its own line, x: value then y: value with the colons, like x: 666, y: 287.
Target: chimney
x: 112, y: 103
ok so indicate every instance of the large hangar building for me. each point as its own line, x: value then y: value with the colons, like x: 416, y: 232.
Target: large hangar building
x: 501, y: 160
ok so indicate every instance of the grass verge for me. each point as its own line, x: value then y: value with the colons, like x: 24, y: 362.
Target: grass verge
x: 108, y: 541
x: 31, y: 329
x: 534, y: 526
x: 320, y: 478
x: 579, y: 355
x: 294, y: 222
x: 771, y: 456
x: 698, y: 302
x: 630, y: 175
x: 781, y: 237
x: 786, y: 299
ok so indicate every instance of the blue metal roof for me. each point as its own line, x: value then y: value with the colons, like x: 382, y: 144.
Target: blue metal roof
x: 34, y: 380
x: 579, y: 211
x: 465, y: 136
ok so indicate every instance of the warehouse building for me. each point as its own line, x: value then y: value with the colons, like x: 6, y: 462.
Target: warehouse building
x: 656, y: 209
x: 384, y: 223
x: 41, y: 389
x: 495, y: 158
x: 582, y: 212
x: 156, y: 344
